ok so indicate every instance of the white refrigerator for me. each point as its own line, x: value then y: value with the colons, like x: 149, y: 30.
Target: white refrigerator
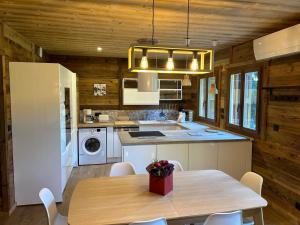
x: 44, y: 128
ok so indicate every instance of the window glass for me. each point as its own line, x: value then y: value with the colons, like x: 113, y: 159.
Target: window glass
x: 211, y: 97
x: 250, y: 100
x: 234, y: 100
x: 202, y: 97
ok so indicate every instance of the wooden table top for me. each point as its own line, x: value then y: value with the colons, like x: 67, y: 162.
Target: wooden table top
x: 121, y: 200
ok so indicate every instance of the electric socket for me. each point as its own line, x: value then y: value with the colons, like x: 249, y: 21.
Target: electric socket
x: 275, y: 127
x: 297, y: 205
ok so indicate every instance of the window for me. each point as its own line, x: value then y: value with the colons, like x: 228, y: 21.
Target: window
x: 207, y: 99
x: 202, y: 97
x: 211, y: 98
x: 234, y: 100
x: 250, y: 100
x: 243, y: 100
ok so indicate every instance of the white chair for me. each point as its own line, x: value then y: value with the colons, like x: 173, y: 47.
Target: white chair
x: 254, y: 181
x: 54, y: 218
x: 122, y: 169
x: 232, y: 218
x: 177, y: 165
x: 159, y: 221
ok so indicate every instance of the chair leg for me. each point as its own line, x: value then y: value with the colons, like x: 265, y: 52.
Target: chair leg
x: 259, y: 217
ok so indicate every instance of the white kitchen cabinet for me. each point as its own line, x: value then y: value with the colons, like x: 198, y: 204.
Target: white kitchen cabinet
x: 234, y: 158
x: 177, y: 152
x: 140, y: 156
x: 203, y: 156
x: 117, y: 151
x: 170, y: 89
x: 44, y: 128
x: 110, y: 142
x: 131, y: 95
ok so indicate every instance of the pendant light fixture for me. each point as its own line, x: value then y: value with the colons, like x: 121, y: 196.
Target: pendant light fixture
x: 148, y: 81
x: 186, y: 81
x: 201, y: 60
x: 194, y: 65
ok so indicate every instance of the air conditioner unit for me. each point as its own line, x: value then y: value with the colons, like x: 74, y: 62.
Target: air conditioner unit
x: 280, y: 43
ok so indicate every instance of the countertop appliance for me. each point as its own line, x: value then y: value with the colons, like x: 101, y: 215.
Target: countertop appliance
x: 92, y: 146
x: 188, y: 115
x: 103, y: 118
x: 181, y: 117
x: 88, y: 116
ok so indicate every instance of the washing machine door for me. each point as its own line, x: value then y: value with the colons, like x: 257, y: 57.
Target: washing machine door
x: 92, y: 145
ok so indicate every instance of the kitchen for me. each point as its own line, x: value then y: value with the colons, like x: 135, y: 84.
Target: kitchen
x: 239, y: 116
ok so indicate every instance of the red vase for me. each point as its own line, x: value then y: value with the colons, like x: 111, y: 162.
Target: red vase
x: 161, y: 185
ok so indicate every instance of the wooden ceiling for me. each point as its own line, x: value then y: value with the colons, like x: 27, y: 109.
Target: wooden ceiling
x: 77, y: 27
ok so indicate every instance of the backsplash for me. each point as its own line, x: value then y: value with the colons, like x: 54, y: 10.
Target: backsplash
x: 156, y: 114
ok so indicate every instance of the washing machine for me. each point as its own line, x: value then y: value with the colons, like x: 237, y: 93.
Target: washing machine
x: 92, y: 146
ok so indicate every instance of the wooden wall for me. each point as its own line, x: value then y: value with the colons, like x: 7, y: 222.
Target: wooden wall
x: 110, y: 71
x: 13, y: 47
x: 276, y: 151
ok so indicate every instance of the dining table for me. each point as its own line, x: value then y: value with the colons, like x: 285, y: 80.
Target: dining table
x: 196, y: 195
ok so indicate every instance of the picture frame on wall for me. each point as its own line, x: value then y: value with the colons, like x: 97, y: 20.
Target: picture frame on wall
x: 99, y: 89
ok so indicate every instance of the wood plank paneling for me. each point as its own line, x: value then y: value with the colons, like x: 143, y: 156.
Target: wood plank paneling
x: 276, y: 152
x: 86, y: 92
x: 78, y: 27
x: 12, y: 49
x: 95, y: 70
x: 111, y: 71
x: 285, y: 72
x: 242, y: 53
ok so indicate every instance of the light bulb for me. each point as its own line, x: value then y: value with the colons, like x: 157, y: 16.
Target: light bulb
x: 194, y: 65
x: 144, y: 62
x: 170, y: 64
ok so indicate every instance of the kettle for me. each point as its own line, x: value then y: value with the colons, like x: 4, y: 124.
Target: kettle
x: 181, y: 117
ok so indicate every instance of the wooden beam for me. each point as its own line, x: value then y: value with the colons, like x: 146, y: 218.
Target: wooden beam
x: 17, y: 38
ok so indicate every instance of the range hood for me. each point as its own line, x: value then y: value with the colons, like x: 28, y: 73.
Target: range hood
x: 148, y: 82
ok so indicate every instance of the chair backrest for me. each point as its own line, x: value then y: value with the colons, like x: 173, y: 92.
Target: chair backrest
x: 253, y: 181
x: 177, y: 165
x: 122, y: 169
x: 232, y: 218
x: 50, y: 205
x: 159, y: 221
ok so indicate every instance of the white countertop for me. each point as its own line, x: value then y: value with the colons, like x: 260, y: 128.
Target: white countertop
x: 196, y: 133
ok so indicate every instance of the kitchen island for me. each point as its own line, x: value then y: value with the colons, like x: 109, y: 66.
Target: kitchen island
x: 195, y: 146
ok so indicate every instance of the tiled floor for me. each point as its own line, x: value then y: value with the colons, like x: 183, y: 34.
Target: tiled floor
x: 36, y: 215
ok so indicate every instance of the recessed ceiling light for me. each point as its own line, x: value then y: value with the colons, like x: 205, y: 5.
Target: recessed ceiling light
x: 99, y: 49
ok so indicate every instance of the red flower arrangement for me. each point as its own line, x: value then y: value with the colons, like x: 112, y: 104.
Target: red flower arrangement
x: 161, y: 177
x: 160, y: 168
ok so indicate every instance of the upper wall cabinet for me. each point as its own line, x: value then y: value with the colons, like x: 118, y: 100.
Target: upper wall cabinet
x: 170, y: 89
x: 131, y: 95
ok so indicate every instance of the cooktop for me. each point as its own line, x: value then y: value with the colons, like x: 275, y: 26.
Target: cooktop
x: 146, y: 134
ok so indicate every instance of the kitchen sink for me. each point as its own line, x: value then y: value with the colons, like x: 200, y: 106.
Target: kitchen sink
x: 157, y: 122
